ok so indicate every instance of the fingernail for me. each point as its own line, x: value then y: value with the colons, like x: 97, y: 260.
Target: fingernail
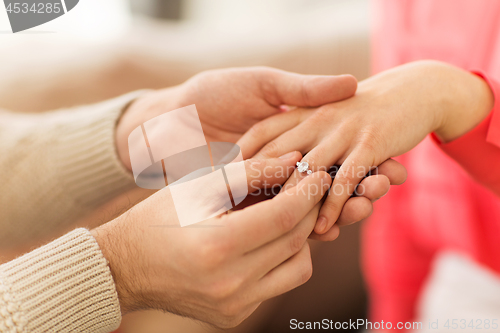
x: 287, y: 156
x: 321, y: 225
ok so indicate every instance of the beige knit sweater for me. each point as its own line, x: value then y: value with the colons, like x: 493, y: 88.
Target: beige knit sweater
x: 55, y: 166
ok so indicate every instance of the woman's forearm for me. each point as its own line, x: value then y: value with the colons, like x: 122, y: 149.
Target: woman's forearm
x: 467, y: 100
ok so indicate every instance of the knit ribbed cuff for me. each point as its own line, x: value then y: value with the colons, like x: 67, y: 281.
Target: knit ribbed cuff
x: 89, y: 164
x: 64, y: 286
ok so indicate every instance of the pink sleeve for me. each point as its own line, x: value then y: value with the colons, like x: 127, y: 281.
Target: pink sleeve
x: 478, y: 151
x: 395, y: 262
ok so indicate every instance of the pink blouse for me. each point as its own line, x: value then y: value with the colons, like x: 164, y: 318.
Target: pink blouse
x: 448, y: 201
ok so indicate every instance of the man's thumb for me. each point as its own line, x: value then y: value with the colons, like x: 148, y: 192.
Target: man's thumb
x: 306, y: 90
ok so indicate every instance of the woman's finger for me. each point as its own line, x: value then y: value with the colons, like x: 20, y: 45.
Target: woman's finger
x: 394, y: 170
x: 269, y: 129
x: 321, y: 157
x: 361, y: 207
x: 350, y: 174
x: 301, y: 138
x: 373, y: 187
x: 329, y: 236
x: 355, y: 210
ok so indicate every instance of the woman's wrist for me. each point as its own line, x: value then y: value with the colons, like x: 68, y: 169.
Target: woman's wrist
x: 468, y: 101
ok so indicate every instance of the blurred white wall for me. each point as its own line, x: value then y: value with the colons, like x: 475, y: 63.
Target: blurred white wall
x: 244, y: 13
x: 99, y: 50
x: 309, y: 36
x: 98, y: 20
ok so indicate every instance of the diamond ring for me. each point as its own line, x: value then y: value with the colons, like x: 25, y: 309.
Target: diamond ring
x: 304, y: 167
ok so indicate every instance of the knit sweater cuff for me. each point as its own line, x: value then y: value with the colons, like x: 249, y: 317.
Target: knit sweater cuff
x: 64, y: 286
x: 88, y: 160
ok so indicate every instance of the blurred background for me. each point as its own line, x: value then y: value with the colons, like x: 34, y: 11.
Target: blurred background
x: 102, y: 49
x: 119, y: 45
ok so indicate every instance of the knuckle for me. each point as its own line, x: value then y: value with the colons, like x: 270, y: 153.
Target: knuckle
x: 217, y: 292
x: 224, y: 290
x: 258, y: 129
x: 230, y: 322
x: 226, y: 323
x: 368, y: 144
x: 256, y: 174
x: 325, y: 112
x: 371, y: 140
x: 322, y: 111
x: 257, y: 166
x: 345, y: 182
x: 285, y: 220
x: 306, y: 94
x: 306, y: 272
x: 306, y: 268
x: 231, y: 310
x: 346, y: 175
x: 266, y: 77
x: 296, y: 243
x: 271, y: 149
x: 212, y: 254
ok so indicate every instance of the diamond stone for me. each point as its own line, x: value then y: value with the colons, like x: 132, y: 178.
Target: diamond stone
x: 302, y: 166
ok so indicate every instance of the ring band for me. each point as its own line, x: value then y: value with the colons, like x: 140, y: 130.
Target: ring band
x: 304, y: 167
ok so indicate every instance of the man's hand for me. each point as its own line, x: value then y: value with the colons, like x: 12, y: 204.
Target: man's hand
x: 231, y: 101
x: 217, y: 274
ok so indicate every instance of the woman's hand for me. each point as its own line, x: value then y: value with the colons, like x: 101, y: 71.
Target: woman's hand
x: 389, y: 115
x: 230, y: 101
x: 218, y: 271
